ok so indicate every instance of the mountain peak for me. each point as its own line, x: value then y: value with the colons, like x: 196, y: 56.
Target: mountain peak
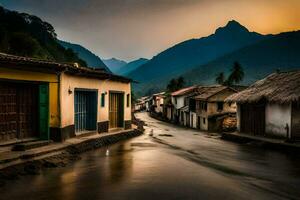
x: 232, y: 27
x: 233, y: 23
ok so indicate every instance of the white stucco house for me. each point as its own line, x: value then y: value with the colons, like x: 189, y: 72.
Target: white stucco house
x: 182, y: 103
x: 270, y: 107
x: 158, y: 102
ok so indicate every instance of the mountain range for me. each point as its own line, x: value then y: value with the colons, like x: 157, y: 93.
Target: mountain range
x: 114, y: 64
x: 277, y: 52
x: 131, y: 66
x: 199, y: 60
x: 90, y: 58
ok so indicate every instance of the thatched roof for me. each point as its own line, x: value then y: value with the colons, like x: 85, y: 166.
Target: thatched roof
x: 205, y: 92
x: 281, y: 87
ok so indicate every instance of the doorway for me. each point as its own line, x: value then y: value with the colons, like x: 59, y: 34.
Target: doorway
x: 253, y: 118
x: 116, y: 110
x: 85, y: 110
x: 19, y: 110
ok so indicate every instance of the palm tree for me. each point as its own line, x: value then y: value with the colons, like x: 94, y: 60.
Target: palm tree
x: 176, y: 84
x: 180, y: 82
x: 220, y: 79
x: 171, y: 85
x: 237, y: 74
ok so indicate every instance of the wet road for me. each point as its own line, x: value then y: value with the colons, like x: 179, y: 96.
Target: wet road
x: 167, y: 162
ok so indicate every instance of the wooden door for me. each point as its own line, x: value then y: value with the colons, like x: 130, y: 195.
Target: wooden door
x: 116, y: 110
x: 295, y: 125
x: 198, y: 122
x: 8, y: 112
x: 18, y: 111
x: 253, y: 118
x: 27, y: 100
x: 44, y: 111
x: 187, y: 116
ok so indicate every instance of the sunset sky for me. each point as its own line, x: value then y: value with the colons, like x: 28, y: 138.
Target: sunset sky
x: 129, y: 29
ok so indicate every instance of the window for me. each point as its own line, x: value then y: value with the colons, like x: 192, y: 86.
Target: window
x: 220, y: 106
x: 192, y: 105
x: 128, y: 100
x: 204, y: 120
x: 185, y: 101
x: 204, y: 106
x: 103, y: 100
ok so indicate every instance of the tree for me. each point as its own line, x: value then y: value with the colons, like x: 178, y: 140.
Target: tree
x: 180, y: 82
x: 236, y: 76
x: 220, y: 79
x: 175, y: 84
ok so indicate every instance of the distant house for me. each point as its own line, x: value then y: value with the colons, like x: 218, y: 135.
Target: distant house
x: 158, y: 102
x: 49, y: 100
x: 148, y: 103
x: 183, y: 112
x: 141, y: 104
x: 211, y: 108
x: 271, y: 106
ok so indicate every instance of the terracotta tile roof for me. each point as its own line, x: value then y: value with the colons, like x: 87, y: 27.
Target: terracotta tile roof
x: 20, y: 60
x: 35, y: 64
x: 184, y: 91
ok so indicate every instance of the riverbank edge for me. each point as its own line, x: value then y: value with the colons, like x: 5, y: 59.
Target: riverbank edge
x: 61, y: 158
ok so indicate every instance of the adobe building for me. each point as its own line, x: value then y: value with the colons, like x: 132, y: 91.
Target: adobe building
x: 49, y: 100
x: 270, y: 107
x: 211, y: 107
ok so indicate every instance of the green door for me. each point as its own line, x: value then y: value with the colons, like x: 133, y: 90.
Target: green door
x: 44, y: 111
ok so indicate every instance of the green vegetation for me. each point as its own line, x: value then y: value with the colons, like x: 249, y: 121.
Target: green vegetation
x: 176, y: 84
x: 89, y: 57
x: 236, y: 76
x: 27, y: 35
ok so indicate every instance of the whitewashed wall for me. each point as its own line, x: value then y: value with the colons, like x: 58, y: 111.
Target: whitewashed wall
x: 277, y: 116
x: 180, y: 102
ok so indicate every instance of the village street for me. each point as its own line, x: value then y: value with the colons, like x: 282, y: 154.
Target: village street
x: 167, y: 162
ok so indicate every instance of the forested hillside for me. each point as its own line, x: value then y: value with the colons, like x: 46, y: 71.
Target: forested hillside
x: 27, y: 35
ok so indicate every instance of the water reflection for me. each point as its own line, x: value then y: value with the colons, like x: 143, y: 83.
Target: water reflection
x: 141, y: 169
x: 119, y: 164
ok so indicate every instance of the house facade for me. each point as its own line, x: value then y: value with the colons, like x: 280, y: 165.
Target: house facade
x: 211, y: 108
x: 90, y: 104
x: 158, y: 102
x: 184, y: 112
x: 49, y: 100
x: 142, y: 104
x: 270, y: 107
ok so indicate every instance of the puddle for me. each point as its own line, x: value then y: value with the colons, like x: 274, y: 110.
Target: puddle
x: 165, y: 135
x: 137, y: 144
